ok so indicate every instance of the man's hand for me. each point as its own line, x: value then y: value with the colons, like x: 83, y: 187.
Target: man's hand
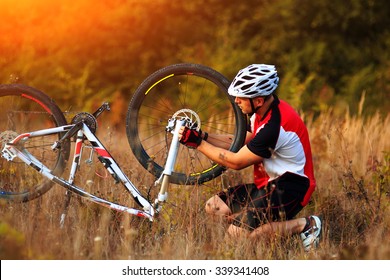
x: 190, y: 137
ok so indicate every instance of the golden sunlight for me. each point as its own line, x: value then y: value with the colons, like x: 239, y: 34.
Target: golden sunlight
x: 44, y: 25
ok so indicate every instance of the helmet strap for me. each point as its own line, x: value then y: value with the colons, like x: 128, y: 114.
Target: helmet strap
x: 255, y: 109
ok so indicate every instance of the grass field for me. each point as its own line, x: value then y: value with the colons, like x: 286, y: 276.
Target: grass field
x: 351, y: 156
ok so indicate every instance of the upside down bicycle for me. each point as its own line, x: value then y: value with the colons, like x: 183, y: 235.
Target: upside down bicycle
x: 36, y: 140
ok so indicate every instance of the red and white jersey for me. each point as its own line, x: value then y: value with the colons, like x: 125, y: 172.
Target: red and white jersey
x: 282, y: 140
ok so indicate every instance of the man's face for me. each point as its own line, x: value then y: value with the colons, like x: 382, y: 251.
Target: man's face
x: 244, y: 104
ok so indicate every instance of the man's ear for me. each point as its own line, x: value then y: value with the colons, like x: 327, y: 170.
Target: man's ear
x: 259, y: 101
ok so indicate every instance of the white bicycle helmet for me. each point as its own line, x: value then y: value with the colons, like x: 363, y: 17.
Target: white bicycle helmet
x: 254, y: 80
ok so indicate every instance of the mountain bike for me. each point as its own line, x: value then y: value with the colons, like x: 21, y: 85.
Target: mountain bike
x: 38, y: 144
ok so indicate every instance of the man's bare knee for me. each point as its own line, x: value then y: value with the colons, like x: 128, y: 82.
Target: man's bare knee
x: 210, y: 208
x: 217, y: 206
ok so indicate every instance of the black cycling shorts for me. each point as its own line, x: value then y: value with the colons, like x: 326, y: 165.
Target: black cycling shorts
x: 278, y: 201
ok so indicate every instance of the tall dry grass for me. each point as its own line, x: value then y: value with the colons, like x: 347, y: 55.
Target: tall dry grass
x: 351, y: 155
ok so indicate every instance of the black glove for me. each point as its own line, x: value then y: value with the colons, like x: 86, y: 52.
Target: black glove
x: 191, y: 138
x: 205, y: 134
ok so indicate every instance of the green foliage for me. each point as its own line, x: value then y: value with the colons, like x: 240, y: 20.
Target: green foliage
x: 327, y: 53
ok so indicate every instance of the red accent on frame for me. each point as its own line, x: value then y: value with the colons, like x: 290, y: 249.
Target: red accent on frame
x: 103, y: 152
x: 140, y: 214
x: 21, y: 136
x: 78, y: 147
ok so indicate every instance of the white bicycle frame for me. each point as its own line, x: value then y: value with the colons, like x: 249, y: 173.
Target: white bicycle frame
x: 15, y: 149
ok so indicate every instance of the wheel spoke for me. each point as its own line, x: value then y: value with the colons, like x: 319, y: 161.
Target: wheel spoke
x: 172, y: 89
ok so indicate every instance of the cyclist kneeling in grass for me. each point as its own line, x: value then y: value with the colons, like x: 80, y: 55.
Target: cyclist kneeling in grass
x: 278, y: 147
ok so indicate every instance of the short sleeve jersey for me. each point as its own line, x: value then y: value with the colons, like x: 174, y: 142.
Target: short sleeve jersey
x: 282, y: 140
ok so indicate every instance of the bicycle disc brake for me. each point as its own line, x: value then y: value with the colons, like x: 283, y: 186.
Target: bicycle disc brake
x: 7, y: 136
x: 191, y: 117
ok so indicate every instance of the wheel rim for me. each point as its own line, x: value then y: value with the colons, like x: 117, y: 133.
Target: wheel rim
x: 205, y: 96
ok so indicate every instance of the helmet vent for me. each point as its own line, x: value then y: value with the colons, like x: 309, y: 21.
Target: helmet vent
x: 248, y: 78
x: 247, y: 87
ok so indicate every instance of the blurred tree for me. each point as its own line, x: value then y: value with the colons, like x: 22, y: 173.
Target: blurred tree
x: 335, y: 46
x: 327, y: 53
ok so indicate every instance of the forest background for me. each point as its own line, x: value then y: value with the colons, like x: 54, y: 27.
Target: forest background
x: 333, y: 59
x: 328, y: 54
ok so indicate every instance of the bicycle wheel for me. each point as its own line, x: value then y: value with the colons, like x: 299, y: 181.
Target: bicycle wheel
x: 192, y: 87
x: 25, y: 109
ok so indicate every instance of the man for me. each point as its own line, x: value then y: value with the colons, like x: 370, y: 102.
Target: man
x: 279, y: 149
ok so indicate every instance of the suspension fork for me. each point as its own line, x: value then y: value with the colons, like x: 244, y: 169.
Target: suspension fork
x: 169, y: 166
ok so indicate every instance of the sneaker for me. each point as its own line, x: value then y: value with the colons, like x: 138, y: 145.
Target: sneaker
x: 311, y: 237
